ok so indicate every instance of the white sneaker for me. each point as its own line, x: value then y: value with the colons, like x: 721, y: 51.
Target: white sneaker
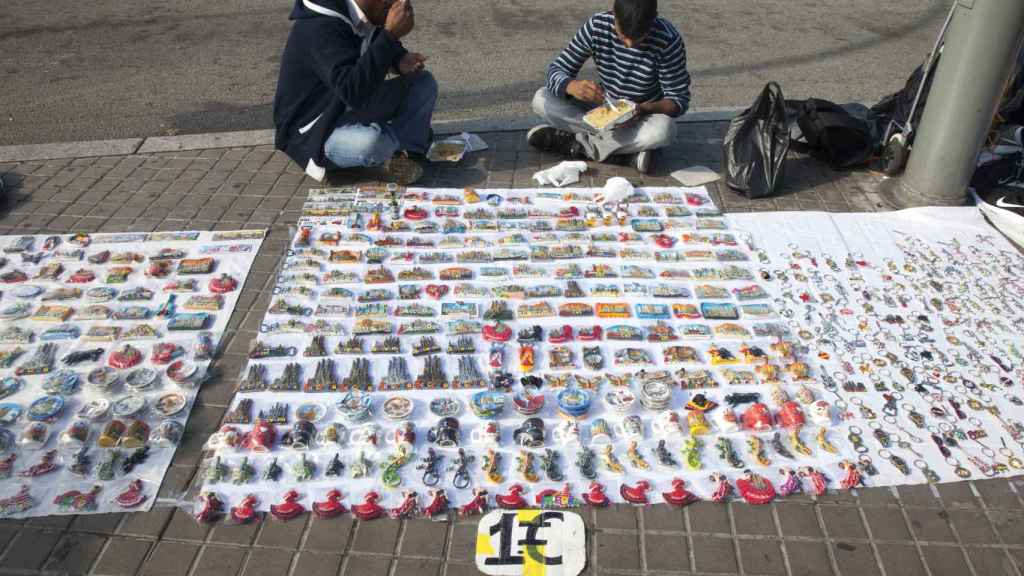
x: 642, y: 161
x: 1004, y: 208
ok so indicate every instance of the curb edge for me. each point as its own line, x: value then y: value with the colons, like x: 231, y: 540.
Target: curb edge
x: 156, y: 144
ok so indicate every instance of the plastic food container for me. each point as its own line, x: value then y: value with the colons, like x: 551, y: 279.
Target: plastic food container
x: 604, y: 118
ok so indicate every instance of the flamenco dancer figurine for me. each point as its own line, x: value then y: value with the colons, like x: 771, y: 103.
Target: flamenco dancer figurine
x: 723, y: 489
x: 819, y: 482
x: 478, y: 505
x: 211, y: 507
x: 679, y: 496
x: 408, y: 508
x: 790, y: 482
x: 438, y: 503
x: 852, y: 478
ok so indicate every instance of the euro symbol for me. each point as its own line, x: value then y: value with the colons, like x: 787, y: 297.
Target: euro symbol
x: 530, y: 543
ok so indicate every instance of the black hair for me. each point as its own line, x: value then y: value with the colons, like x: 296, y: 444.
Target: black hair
x: 635, y: 17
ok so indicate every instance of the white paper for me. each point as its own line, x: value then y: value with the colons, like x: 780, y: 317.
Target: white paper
x: 696, y: 175
x: 232, y: 256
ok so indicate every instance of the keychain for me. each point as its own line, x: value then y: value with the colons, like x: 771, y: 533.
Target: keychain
x: 865, y: 411
x: 928, y: 473
x: 867, y: 465
x: 916, y: 417
x: 881, y: 435
x: 897, y: 462
x: 1013, y: 461
x: 857, y: 440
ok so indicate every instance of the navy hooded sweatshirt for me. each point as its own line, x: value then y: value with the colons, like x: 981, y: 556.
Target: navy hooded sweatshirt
x: 327, y: 69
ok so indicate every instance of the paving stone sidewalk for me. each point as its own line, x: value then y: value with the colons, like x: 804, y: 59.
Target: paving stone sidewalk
x: 968, y: 528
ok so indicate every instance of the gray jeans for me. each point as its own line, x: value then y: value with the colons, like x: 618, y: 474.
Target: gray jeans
x: 644, y: 133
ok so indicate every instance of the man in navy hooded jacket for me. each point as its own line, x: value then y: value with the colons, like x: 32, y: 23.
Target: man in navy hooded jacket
x: 335, y: 106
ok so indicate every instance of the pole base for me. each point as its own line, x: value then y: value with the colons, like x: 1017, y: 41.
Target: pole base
x: 897, y: 195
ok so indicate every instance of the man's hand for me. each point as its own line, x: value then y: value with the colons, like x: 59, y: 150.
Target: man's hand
x: 411, y: 62
x: 586, y: 91
x: 400, y: 20
x: 663, y: 106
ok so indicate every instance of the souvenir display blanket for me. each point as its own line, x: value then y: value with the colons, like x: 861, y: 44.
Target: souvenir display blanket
x: 429, y: 349
x: 104, y: 342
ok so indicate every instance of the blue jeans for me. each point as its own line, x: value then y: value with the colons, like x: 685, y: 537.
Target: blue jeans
x: 353, y: 145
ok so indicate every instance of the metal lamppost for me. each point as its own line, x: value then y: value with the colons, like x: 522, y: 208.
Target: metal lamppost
x: 979, y: 56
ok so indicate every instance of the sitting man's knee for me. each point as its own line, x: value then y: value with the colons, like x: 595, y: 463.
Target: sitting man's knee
x: 540, y: 99
x: 425, y: 82
x: 369, y: 146
x: 659, y: 131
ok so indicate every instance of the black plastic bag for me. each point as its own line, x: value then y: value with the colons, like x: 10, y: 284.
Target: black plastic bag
x: 831, y: 133
x: 756, y: 144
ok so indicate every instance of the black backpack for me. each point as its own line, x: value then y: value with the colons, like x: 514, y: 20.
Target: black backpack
x: 832, y: 134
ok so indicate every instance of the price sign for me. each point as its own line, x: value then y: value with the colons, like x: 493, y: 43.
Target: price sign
x: 531, y: 543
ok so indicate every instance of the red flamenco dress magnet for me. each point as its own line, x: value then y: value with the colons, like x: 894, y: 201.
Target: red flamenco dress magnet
x: 245, y: 512
x: 331, y: 506
x: 513, y: 500
x: 289, y: 508
x: 755, y: 489
x: 369, y: 509
x: 595, y: 495
x: 635, y: 494
x: 133, y: 496
x: 679, y: 496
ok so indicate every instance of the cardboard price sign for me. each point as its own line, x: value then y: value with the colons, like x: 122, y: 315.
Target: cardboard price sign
x: 531, y: 543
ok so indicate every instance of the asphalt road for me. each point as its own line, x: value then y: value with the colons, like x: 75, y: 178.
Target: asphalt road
x: 74, y: 70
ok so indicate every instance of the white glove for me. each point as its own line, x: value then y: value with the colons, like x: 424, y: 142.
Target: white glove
x: 562, y: 174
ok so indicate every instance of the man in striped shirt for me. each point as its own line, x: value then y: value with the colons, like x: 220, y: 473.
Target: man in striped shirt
x: 639, y: 57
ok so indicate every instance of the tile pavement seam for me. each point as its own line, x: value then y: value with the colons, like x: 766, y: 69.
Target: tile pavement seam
x: 641, y: 540
x: 403, y: 525
x: 782, y: 541
x: 828, y: 541
x: 449, y: 533
x: 692, y: 556
x: 735, y: 541
x: 944, y: 515
x: 871, y: 541
x: 913, y: 534
x: 992, y: 524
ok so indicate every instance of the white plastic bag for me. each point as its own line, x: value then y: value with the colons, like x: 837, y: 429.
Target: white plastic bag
x: 561, y: 174
x: 616, y: 189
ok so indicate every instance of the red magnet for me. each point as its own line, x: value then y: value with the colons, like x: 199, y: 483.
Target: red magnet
x: 757, y: 418
x: 289, y: 508
x: 223, y: 283
x: 513, y: 500
x: 331, y: 506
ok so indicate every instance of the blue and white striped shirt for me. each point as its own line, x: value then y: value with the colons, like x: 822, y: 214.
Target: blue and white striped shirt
x: 652, y: 70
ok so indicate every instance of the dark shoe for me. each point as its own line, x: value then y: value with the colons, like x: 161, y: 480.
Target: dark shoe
x: 401, y: 170
x: 550, y: 139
